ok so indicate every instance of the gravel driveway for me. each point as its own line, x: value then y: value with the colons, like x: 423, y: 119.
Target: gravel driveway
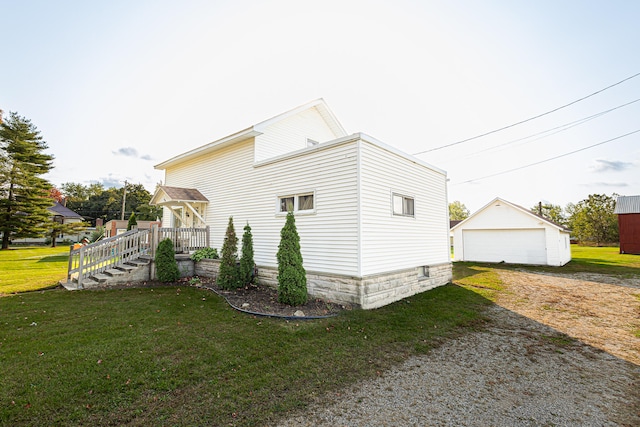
x: 557, y: 351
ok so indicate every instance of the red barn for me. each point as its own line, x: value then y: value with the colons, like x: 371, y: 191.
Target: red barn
x: 628, y: 210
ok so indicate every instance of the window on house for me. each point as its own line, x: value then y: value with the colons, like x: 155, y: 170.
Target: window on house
x: 403, y: 205
x: 305, y: 202
x: 286, y: 204
x: 297, y: 203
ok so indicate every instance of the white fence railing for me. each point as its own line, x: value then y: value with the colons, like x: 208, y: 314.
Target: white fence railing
x: 97, y: 257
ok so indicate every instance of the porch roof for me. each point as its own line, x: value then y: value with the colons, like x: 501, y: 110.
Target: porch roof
x: 166, y: 195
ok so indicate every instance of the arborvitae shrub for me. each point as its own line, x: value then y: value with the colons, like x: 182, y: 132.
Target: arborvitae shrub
x: 166, y: 265
x: 133, y: 223
x: 228, y: 275
x: 292, y: 278
x: 246, y: 260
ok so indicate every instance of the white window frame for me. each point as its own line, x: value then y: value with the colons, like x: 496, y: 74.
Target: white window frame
x: 404, y: 197
x: 296, y: 203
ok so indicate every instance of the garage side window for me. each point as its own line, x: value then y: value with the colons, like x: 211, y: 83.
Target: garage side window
x: 403, y: 205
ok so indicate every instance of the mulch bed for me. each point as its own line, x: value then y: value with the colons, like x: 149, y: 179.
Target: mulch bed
x: 253, y: 299
x: 264, y: 300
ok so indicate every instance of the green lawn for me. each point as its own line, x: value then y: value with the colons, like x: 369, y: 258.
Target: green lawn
x: 32, y: 268
x: 181, y: 356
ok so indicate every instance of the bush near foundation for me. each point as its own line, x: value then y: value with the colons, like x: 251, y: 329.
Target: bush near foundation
x: 166, y: 265
x: 292, y: 277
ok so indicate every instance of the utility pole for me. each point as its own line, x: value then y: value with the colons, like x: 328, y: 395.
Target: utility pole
x: 124, y: 199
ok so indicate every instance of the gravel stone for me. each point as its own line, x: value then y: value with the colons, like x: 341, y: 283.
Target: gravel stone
x: 514, y: 372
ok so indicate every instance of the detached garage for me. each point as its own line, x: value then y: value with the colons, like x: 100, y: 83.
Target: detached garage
x: 504, y: 232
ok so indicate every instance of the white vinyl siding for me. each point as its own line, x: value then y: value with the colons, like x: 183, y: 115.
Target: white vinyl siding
x: 392, y: 242
x: 235, y: 187
x: 292, y: 134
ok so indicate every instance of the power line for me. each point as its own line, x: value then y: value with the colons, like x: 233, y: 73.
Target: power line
x: 557, y: 129
x: 529, y: 119
x: 547, y: 160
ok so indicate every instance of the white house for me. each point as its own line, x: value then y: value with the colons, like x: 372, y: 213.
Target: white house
x: 373, y: 221
x: 504, y: 232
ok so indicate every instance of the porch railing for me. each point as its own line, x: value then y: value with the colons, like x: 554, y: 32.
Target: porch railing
x: 113, y: 252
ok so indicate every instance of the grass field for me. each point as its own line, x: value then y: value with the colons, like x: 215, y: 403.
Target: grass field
x: 181, y: 356
x: 32, y: 268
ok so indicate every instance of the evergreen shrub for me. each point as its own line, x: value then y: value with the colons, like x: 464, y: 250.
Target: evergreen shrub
x: 166, y: 265
x: 229, y: 273
x: 246, y: 260
x: 292, y: 277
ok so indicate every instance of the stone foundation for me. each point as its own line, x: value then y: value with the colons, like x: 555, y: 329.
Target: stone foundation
x: 365, y: 292
x: 369, y: 291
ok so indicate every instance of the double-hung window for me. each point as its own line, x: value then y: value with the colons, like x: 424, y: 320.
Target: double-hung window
x: 403, y: 205
x: 303, y: 203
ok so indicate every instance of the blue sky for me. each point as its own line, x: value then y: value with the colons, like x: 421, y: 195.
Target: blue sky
x: 117, y: 87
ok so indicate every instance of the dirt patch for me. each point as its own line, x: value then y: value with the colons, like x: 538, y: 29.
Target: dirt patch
x: 603, y: 315
x: 555, y: 351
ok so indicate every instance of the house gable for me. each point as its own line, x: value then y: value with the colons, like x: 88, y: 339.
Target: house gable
x: 296, y: 131
x: 276, y: 136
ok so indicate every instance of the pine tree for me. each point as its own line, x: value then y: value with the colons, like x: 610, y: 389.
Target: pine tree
x: 292, y: 278
x: 166, y: 264
x: 246, y: 261
x: 24, y: 194
x: 132, y: 222
x: 228, y: 275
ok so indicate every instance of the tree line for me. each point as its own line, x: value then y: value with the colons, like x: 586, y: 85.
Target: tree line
x: 590, y: 220
x: 25, y: 196
x: 93, y: 201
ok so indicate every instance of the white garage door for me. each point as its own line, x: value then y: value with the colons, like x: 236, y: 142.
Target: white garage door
x: 524, y: 246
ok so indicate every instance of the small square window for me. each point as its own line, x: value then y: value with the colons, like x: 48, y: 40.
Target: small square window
x: 403, y: 205
x: 305, y: 202
x: 286, y: 204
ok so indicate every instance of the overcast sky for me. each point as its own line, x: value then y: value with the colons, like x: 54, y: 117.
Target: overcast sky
x: 117, y: 87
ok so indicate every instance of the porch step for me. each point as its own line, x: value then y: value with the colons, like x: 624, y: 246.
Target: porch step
x: 126, y: 268
x: 137, y: 262
x: 100, y: 277
x: 73, y: 284
x: 115, y: 272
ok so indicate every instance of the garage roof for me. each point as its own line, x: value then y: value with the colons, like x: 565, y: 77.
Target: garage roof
x: 518, y: 207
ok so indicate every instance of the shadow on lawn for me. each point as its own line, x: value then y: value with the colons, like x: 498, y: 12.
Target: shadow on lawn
x: 54, y: 258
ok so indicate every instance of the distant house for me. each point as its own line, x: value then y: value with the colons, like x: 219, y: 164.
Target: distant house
x: 62, y: 215
x: 504, y: 232
x: 628, y: 210
x: 117, y: 226
x: 372, y: 220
